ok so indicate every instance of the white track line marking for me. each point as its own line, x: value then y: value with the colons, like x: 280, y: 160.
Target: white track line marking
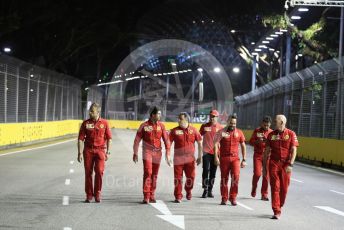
x: 341, y: 193
x: 177, y: 221
x: 244, y: 206
x: 162, y: 207
x: 297, y: 180
x: 67, y: 182
x: 65, y: 200
x: 71, y: 170
x: 332, y: 210
x: 41, y: 147
x: 67, y: 228
x: 71, y: 162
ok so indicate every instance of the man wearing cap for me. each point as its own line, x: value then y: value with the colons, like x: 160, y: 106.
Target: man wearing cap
x: 258, y: 140
x: 95, y: 133
x: 281, y: 146
x: 151, y: 132
x: 208, y: 131
x: 228, y: 139
x: 184, y: 137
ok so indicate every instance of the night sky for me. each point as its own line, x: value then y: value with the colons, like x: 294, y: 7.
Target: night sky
x: 88, y: 39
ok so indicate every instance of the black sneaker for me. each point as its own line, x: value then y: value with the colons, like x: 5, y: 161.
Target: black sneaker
x: 223, y: 202
x: 265, y: 198
x: 204, y: 195
x: 177, y: 201
x: 210, y: 194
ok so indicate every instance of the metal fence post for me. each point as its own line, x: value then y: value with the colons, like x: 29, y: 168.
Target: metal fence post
x: 311, y: 109
x: 301, y: 105
x: 73, y: 94
x: 28, y: 99
x: 67, y: 104
x: 17, y: 95
x: 54, y: 108
x: 5, y: 95
x: 46, y: 99
x: 61, y: 107
x: 324, y: 108
x: 37, y: 99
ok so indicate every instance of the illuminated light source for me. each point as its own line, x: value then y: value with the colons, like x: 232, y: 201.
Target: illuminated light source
x: 265, y: 42
x: 236, y: 70
x: 274, y: 35
x: 217, y: 70
x: 258, y: 50
x: 233, y: 31
x: 303, y: 9
x: 7, y: 50
x: 295, y: 17
x: 200, y: 70
x: 269, y: 38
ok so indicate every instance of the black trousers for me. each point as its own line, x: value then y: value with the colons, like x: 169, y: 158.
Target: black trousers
x: 209, y: 171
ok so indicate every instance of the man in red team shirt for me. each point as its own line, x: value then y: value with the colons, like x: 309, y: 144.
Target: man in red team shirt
x: 281, y: 146
x: 95, y: 133
x: 208, y: 132
x: 184, y: 137
x: 151, y: 132
x: 258, y: 140
x: 229, y: 139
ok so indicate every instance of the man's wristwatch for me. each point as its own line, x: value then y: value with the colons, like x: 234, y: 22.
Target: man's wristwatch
x: 291, y: 165
x: 244, y: 160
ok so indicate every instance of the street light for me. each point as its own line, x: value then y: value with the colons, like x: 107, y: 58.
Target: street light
x: 217, y: 70
x: 295, y: 17
x: 7, y: 50
x: 303, y: 9
x: 236, y: 70
x: 200, y: 70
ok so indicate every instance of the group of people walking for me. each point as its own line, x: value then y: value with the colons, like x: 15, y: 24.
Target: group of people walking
x: 217, y: 145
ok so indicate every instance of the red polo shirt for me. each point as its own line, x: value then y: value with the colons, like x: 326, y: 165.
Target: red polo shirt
x: 259, y: 133
x: 95, y: 133
x: 208, y: 132
x: 229, y: 142
x: 281, y: 144
x: 184, y: 141
x: 151, y: 134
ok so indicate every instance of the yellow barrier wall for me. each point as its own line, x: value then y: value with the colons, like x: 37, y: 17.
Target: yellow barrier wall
x: 16, y: 133
x: 120, y: 124
x: 319, y: 149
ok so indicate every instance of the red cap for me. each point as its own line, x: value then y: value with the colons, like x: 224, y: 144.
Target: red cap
x: 214, y: 113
